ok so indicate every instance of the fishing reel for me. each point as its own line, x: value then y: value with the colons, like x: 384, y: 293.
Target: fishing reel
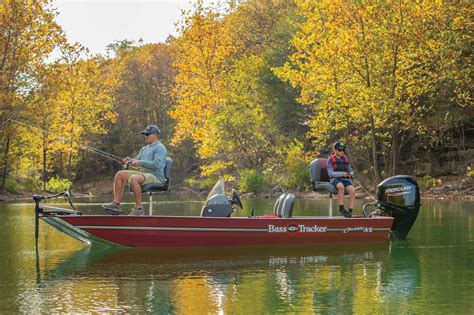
x: 127, y: 162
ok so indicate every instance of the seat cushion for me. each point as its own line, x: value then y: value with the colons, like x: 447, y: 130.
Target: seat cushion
x: 155, y: 187
x: 325, y: 188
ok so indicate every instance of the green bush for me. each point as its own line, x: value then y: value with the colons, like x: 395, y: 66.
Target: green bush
x: 300, y: 176
x: 57, y: 184
x: 18, y: 184
x: 426, y: 182
x: 296, y: 165
x: 251, y: 181
x: 32, y: 184
x: 11, y: 185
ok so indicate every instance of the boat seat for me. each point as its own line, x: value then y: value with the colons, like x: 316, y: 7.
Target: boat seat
x: 284, y: 206
x: 320, y: 180
x: 155, y: 188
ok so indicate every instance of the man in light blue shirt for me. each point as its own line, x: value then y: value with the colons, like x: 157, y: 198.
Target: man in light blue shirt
x: 150, y: 163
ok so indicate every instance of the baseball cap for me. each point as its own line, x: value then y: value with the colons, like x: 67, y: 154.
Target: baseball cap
x: 151, y: 129
x: 339, y: 146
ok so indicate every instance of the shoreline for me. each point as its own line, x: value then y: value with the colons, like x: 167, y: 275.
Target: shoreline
x: 436, y: 193
x: 452, y: 188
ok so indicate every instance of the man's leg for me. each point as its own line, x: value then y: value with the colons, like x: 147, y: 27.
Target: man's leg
x: 340, y: 200
x: 136, y: 181
x: 351, y: 190
x: 340, y: 194
x: 119, y: 182
x: 120, y: 179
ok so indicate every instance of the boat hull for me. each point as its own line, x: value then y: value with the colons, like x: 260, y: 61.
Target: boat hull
x: 186, y: 231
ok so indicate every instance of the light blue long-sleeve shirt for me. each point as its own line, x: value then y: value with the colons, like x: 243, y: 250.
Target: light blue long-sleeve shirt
x: 152, y: 159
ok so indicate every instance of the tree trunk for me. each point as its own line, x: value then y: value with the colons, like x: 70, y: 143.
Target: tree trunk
x: 5, y: 166
x: 374, y: 150
x: 386, y: 159
x: 395, y: 152
x: 45, y: 147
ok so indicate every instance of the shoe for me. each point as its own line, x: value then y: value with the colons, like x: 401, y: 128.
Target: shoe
x: 345, y: 213
x: 137, y: 211
x: 112, y: 208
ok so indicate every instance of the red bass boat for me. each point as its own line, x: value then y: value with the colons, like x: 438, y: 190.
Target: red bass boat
x: 395, y: 212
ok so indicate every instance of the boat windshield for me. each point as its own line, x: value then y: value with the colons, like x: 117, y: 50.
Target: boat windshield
x: 218, y: 189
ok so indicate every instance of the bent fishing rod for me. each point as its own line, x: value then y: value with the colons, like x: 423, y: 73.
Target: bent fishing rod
x: 69, y: 140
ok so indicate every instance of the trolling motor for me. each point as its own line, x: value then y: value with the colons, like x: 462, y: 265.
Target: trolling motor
x: 51, y: 210
x: 398, y: 197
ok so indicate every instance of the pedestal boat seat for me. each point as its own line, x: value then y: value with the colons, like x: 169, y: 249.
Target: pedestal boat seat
x: 320, y: 181
x: 156, y: 188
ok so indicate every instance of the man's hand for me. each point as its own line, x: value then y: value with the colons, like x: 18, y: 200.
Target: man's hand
x: 135, y: 162
x: 127, y: 160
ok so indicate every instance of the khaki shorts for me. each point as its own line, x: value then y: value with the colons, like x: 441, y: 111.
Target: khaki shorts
x: 149, y: 177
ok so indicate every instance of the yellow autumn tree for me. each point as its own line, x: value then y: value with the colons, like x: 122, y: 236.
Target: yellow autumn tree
x: 73, y: 103
x: 355, y: 63
x: 28, y: 34
x: 204, y: 55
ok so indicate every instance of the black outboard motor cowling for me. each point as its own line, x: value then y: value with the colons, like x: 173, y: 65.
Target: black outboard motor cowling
x: 399, y: 197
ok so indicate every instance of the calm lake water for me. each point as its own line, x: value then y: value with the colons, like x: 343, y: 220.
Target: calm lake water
x: 430, y: 273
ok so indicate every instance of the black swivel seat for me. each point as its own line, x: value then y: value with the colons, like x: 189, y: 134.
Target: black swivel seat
x: 155, y: 188
x: 320, y: 180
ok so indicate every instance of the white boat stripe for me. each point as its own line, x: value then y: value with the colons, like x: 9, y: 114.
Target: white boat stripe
x: 152, y: 228
x: 198, y: 229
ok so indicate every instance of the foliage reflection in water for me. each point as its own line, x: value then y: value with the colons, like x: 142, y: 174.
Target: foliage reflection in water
x: 210, y: 281
x: 429, y: 272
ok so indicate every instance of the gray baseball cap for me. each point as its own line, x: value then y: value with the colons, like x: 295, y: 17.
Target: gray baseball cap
x: 151, y: 129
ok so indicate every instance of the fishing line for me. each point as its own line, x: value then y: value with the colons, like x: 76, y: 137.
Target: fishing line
x: 355, y: 180
x: 67, y: 140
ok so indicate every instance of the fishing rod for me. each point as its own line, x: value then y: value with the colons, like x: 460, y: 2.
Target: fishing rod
x: 67, y: 140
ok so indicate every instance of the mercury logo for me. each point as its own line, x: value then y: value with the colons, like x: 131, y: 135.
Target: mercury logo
x: 400, y: 190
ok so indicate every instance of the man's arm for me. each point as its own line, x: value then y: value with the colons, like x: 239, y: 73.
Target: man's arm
x: 332, y: 173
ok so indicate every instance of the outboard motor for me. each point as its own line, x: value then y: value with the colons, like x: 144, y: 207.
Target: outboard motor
x: 399, y: 197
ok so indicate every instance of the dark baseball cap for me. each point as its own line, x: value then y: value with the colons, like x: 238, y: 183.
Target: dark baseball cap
x: 339, y: 146
x: 151, y: 129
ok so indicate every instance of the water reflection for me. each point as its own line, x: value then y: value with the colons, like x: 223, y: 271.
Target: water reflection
x: 225, y: 280
x: 430, y: 273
